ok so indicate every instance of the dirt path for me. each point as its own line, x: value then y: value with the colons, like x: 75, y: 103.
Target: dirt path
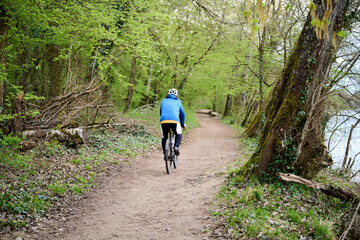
x: 144, y: 202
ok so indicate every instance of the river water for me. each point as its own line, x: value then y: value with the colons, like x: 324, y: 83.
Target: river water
x: 338, y: 139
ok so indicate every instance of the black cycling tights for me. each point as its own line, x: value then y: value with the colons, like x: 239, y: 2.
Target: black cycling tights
x: 165, y: 129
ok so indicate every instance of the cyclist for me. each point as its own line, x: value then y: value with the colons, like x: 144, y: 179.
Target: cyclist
x: 172, y: 116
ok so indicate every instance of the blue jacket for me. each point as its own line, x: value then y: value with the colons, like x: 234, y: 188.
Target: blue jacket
x: 171, y: 110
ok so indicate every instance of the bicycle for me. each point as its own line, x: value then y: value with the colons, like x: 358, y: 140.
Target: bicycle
x: 171, y: 159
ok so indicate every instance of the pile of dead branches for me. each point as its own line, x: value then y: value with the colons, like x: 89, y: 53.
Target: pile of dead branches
x: 62, y: 110
x: 68, y: 117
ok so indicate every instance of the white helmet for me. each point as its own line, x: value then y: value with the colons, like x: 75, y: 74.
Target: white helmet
x: 173, y: 91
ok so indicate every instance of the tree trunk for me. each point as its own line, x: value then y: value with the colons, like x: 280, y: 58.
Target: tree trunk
x: 249, y: 111
x: 132, y: 83
x: 261, y: 73
x: 348, y: 145
x: 17, y: 123
x: 214, y: 101
x: 148, y: 83
x: 54, y: 70
x: 227, y: 105
x: 292, y: 99
x: 3, y: 31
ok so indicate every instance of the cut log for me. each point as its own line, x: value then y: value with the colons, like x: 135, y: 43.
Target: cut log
x: 204, y: 111
x: 215, y: 114
x: 340, y: 193
x: 208, y: 111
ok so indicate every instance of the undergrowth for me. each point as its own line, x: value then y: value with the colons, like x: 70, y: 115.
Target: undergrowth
x: 279, y: 211
x: 32, y: 182
x: 253, y: 209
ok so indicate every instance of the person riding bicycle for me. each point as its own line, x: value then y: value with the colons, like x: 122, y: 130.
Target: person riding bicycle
x: 172, y: 116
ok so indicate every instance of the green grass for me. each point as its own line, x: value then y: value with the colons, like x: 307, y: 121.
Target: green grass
x: 279, y: 211
x: 190, y: 118
x: 58, y: 188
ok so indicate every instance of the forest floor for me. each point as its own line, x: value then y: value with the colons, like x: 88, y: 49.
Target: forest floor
x: 142, y: 201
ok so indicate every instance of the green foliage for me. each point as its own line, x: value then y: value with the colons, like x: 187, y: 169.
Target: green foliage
x: 52, y: 147
x: 58, y: 188
x: 9, y: 156
x: 23, y: 204
x: 9, y: 143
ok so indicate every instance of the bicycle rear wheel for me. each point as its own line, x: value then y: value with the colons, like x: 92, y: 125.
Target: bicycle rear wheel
x: 176, y: 161
x: 168, y: 158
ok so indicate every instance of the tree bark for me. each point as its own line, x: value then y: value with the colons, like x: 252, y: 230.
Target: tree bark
x: 227, y: 105
x: 214, y: 101
x: 249, y: 111
x: 261, y: 72
x: 292, y: 99
x: 3, y: 31
x: 132, y: 83
x: 148, y: 82
x: 54, y: 70
x: 17, y: 123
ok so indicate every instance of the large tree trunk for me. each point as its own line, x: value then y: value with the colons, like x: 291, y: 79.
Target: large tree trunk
x: 292, y: 135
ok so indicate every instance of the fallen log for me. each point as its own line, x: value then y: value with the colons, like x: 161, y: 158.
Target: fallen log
x: 104, y: 125
x: 69, y: 136
x: 73, y: 136
x: 340, y: 193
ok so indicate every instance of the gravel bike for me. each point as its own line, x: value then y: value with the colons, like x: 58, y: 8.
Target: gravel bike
x: 171, y: 159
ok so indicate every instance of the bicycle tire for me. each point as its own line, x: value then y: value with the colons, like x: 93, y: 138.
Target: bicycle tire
x: 168, y: 160
x: 176, y: 161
